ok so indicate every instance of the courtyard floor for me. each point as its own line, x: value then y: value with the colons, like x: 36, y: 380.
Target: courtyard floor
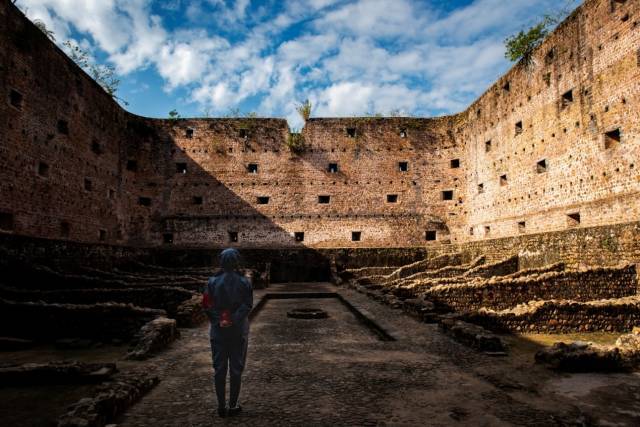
x: 336, y: 371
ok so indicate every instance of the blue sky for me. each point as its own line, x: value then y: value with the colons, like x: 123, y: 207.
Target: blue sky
x: 349, y: 57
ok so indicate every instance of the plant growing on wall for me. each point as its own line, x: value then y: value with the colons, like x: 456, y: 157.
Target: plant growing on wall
x: 304, y: 110
x: 609, y: 243
x: 43, y: 27
x: 104, y: 75
x: 520, y: 47
x: 295, y: 142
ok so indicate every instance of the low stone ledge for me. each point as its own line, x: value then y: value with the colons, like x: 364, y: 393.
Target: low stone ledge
x: 189, y: 313
x: 589, y: 357
x: 15, y: 344
x: 50, y: 322
x: 29, y: 374
x: 562, y: 316
x: 501, y: 293
x: 112, y: 399
x: 154, y: 337
x: 473, y: 335
x: 499, y: 268
x: 424, y: 265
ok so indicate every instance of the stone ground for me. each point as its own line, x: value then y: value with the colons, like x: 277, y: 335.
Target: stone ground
x: 336, y: 372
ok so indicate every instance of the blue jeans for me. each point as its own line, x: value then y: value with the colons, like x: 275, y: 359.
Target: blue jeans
x: 229, y: 353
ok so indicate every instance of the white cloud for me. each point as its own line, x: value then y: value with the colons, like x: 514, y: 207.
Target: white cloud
x: 348, y: 57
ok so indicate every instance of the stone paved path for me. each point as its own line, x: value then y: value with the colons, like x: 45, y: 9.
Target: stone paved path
x: 336, y: 372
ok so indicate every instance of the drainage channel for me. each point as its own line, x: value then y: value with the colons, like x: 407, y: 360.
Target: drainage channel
x: 365, y: 320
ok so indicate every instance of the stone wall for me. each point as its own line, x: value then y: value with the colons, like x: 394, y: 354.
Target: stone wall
x: 537, y: 138
x: 49, y: 322
x: 162, y: 297
x: 504, y: 293
x: 609, y: 245
x: 555, y: 142
x: 616, y: 315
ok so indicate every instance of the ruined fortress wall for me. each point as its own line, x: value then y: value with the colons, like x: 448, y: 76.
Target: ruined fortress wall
x: 607, y: 245
x: 210, y: 190
x: 60, y: 143
x: 583, y: 83
x: 77, y: 167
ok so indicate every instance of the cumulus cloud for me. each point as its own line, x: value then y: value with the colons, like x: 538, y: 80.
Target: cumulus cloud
x: 348, y: 57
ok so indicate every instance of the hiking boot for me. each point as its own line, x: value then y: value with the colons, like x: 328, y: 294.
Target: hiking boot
x: 235, y: 410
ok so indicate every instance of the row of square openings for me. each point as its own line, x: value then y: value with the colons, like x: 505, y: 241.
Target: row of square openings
x: 353, y: 132
x: 323, y: 200
x: 43, y: 171
x: 7, y: 223
x: 541, y: 167
x: 181, y: 168
x: 299, y: 236
x: 350, y: 132
x: 242, y: 133
x: 573, y: 220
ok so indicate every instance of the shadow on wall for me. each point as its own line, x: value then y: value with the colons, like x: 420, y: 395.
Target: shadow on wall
x: 183, y: 208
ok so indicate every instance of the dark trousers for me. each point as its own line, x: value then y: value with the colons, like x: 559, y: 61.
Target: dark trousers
x: 229, y: 351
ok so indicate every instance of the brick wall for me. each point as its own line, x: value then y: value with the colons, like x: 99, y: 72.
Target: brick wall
x: 75, y: 166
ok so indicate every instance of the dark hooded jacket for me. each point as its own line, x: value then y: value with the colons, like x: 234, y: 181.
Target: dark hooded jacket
x: 229, y: 290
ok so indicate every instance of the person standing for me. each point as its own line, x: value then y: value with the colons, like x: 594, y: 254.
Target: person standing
x: 227, y: 301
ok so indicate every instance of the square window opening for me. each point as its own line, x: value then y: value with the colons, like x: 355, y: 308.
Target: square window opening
x: 252, y: 168
x: 522, y: 226
x: 6, y: 221
x: 573, y: 219
x: 112, y: 193
x: 88, y: 185
x: 167, y: 238
x: 612, y: 138
x: 324, y: 199
x: 263, y: 200
x: 299, y: 236
x: 541, y: 166
x: 455, y: 163
x: 333, y: 168
x: 103, y: 235
x: 403, y: 166
x: 63, y: 127
x: 65, y: 229
x: 15, y: 99
x: 503, y: 180
x: 132, y: 165
x: 43, y: 169
x: 392, y: 198
x: 519, y: 128
x: 447, y: 195
x: 197, y: 200
x: 480, y: 188
x: 96, y: 147
x: 189, y: 133
x: 181, y: 168
x: 507, y: 86
x: 356, y: 236
x: 487, y: 146
x: 144, y: 201
x: 233, y: 236
x: 430, y: 235
x: 567, y: 98
x: 351, y: 132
